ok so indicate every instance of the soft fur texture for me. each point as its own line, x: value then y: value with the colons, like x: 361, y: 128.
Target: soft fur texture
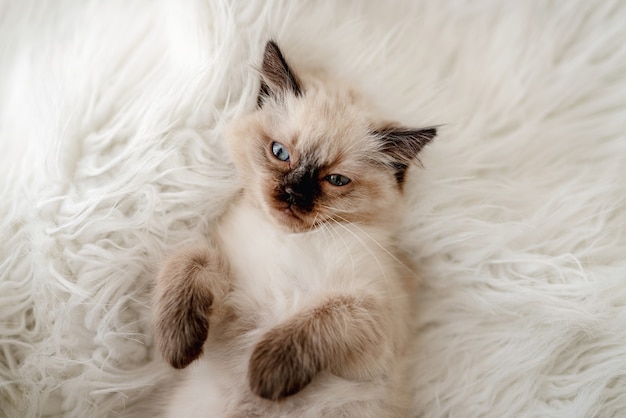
x: 111, y: 156
x: 299, y: 292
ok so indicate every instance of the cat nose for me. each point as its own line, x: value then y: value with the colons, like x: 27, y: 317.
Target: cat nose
x: 298, y: 195
x: 294, y: 197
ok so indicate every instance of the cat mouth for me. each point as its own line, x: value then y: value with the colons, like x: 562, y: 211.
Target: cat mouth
x: 292, y: 211
x: 292, y: 217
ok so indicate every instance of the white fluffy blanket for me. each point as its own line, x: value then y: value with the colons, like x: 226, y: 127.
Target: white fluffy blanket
x: 111, y: 156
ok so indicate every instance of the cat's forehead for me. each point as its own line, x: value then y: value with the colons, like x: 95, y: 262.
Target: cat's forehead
x: 326, y: 123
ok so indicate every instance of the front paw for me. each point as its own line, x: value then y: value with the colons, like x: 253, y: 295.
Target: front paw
x: 282, y: 364
x: 182, y: 327
x: 183, y: 301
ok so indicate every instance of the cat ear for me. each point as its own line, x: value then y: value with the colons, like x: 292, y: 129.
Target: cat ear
x: 277, y: 79
x: 403, y: 145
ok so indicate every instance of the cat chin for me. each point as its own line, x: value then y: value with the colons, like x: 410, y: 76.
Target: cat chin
x: 290, y: 219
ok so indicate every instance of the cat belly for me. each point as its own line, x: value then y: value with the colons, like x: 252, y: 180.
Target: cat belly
x: 202, y: 393
x: 216, y: 385
x: 208, y: 392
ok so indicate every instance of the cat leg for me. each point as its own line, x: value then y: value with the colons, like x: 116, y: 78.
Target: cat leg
x: 186, y: 289
x: 344, y: 334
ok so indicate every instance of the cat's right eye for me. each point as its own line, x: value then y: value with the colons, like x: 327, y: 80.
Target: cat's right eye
x: 280, y: 151
x: 337, y: 180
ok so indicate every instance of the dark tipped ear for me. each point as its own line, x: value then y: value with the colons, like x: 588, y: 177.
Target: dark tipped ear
x: 403, y: 145
x: 277, y: 79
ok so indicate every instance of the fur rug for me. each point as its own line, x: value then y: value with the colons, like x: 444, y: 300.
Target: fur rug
x: 111, y: 156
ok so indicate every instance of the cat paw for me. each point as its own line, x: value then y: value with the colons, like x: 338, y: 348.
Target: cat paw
x: 282, y: 364
x: 183, y: 301
x: 182, y: 327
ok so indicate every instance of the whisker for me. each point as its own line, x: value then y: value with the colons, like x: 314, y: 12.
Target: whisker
x: 369, y: 249
x: 374, y: 241
x: 335, y: 209
x: 324, y: 230
x: 347, y: 248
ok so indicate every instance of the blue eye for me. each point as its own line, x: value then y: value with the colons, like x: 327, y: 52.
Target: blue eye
x: 280, y: 151
x: 337, y: 179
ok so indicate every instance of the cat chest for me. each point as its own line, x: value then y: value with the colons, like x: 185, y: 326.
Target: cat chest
x: 268, y: 266
x: 282, y: 272
x: 277, y: 273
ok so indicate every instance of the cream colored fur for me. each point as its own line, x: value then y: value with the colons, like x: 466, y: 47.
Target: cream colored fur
x: 278, y: 274
x: 323, y: 280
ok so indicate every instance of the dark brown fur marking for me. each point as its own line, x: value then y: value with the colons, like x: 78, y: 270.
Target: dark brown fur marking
x: 184, y: 295
x: 283, y: 363
x: 277, y: 77
x: 327, y: 336
x: 403, y: 145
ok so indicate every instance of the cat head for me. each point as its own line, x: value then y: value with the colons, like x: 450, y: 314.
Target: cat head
x: 314, y: 152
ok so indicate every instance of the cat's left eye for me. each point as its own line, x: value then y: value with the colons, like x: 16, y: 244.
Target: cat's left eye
x: 337, y: 179
x: 280, y: 151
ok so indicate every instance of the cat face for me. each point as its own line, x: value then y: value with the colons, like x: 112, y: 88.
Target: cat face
x: 313, y: 152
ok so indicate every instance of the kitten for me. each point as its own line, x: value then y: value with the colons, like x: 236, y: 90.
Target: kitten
x: 297, y: 306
